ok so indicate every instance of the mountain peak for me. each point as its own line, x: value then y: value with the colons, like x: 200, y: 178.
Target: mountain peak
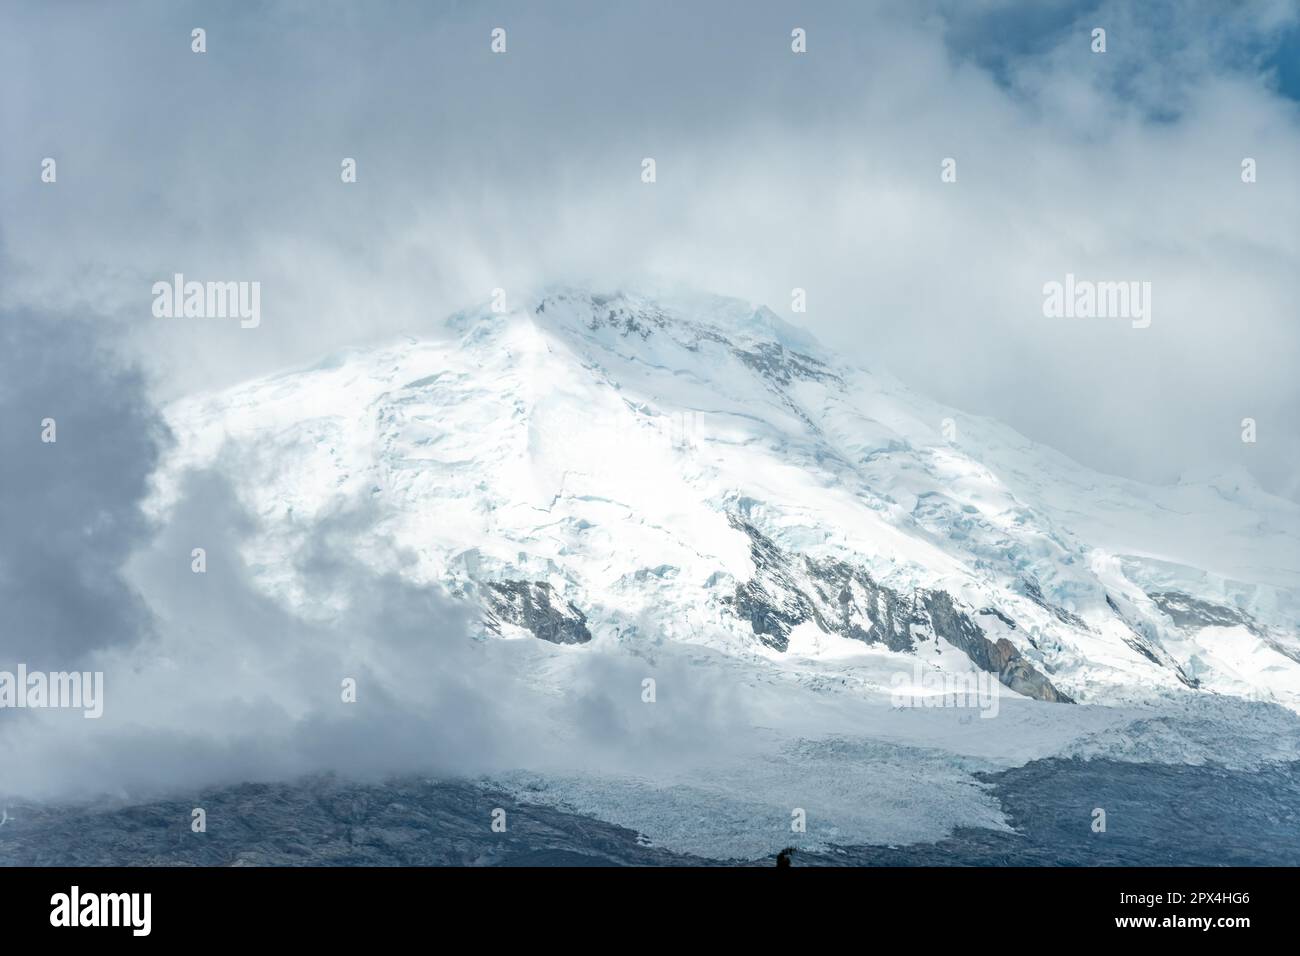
x: 574, y: 464
x: 642, y: 313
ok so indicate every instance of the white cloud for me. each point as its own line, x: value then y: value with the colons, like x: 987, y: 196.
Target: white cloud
x: 775, y: 170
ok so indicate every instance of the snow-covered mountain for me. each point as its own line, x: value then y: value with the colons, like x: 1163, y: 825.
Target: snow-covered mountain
x: 617, y: 469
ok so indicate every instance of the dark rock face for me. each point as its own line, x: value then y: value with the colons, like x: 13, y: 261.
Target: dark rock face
x: 1149, y: 648
x: 846, y: 592
x: 529, y: 604
x: 627, y: 321
x: 1194, y: 613
x: 771, y: 600
x: 781, y: 365
x: 1032, y: 591
x: 786, y: 590
x: 999, y: 658
x: 994, y: 612
x: 1187, y: 611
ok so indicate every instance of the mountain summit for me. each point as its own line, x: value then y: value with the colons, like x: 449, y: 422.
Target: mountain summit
x: 620, y: 468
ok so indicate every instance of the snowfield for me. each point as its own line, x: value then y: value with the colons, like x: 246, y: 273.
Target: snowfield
x: 688, y: 491
x: 598, y: 443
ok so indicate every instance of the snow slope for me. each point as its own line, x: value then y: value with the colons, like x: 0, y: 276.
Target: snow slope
x: 667, y: 562
x: 636, y: 471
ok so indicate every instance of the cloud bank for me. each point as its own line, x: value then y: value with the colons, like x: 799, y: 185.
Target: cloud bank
x: 819, y: 171
x: 775, y: 171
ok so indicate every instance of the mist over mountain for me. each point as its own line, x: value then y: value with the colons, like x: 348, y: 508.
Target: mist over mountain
x: 598, y: 466
x: 624, y: 552
x: 700, y: 432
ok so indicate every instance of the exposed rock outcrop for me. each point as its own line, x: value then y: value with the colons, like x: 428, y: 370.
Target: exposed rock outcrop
x: 1187, y: 611
x: 841, y: 598
x: 531, y: 605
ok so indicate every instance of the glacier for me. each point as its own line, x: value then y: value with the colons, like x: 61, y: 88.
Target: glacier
x: 701, y: 471
x: 700, y: 553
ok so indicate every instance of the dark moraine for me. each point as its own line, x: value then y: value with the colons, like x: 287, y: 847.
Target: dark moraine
x: 1155, y: 815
